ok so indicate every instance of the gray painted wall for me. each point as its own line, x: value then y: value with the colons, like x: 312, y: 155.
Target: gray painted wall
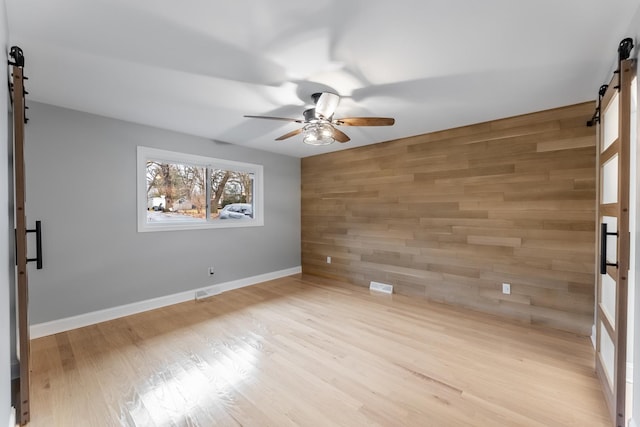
x: 81, y: 183
x: 7, y: 313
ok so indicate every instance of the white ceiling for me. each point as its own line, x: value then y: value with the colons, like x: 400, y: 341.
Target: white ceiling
x: 197, y: 66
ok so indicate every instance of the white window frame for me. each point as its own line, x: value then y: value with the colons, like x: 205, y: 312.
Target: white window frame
x: 145, y: 154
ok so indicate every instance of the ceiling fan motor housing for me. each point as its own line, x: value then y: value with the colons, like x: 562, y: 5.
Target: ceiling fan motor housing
x: 310, y: 115
x: 316, y: 96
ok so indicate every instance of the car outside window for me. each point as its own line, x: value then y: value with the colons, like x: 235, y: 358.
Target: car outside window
x: 179, y: 191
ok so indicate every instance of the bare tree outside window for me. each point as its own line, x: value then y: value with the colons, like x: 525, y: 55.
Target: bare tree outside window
x: 176, y: 190
x: 179, y: 191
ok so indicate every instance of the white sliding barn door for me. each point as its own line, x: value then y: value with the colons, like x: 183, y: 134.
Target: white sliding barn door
x: 613, y: 240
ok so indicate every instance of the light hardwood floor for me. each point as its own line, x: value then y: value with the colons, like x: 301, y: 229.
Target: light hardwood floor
x: 306, y: 351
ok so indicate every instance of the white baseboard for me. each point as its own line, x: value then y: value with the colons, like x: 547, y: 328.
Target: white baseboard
x: 12, y: 417
x: 55, y: 326
x: 593, y: 335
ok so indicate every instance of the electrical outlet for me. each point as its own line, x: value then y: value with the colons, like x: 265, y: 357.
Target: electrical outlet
x: 328, y: 260
x: 506, y: 288
x: 211, y: 271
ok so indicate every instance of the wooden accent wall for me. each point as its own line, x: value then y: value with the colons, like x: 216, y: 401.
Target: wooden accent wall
x: 451, y: 215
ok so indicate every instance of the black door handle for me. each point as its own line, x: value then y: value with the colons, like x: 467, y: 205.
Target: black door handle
x: 38, y: 258
x: 603, y: 249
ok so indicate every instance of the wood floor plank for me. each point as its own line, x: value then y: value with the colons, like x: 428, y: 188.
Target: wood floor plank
x: 310, y: 351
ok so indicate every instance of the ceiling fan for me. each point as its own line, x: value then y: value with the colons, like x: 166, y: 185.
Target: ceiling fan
x: 319, y: 123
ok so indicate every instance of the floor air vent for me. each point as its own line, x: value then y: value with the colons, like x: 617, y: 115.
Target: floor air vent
x: 381, y: 287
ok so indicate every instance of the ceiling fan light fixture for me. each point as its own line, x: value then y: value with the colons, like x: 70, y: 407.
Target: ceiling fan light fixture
x: 318, y: 134
x: 319, y: 121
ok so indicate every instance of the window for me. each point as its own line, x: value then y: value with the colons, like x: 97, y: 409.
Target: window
x: 178, y: 191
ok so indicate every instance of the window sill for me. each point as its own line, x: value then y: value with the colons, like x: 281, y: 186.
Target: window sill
x: 200, y: 225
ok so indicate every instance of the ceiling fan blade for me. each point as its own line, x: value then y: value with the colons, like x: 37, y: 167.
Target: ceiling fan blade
x: 365, y: 121
x: 327, y: 104
x: 290, y: 134
x: 276, y: 118
x: 340, y: 136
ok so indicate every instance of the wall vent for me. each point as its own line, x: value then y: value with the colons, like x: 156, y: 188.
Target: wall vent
x: 381, y: 287
x: 206, y: 293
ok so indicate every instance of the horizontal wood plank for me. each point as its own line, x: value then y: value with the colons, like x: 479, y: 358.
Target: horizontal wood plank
x: 443, y: 215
